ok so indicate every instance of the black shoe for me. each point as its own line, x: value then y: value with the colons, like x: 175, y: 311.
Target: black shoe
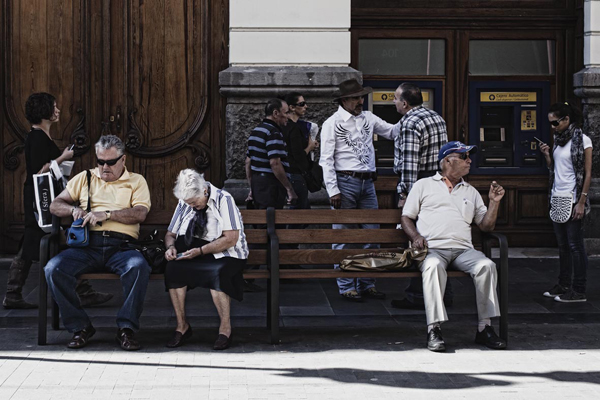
x: 488, y: 338
x: 223, y: 342
x: 557, y: 290
x: 373, y: 293
x: 17, y: 304
x: 126, y: 339
x: 94, y: 298
x: 435, y: 341
x: 571, y: 296
x: 406, y: 304
x: 250, y: 287
x: 80, y: 338
x: 352, y: 295
x: 178, y: 337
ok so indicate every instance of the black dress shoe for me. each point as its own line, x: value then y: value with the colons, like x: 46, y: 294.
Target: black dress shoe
x: 126, y: 339
x: 17, y: 304
x: 178, y: 337
x: 435, y: 341
x: 80, y: 338
x: 488, y: 338
x: 223, y: 342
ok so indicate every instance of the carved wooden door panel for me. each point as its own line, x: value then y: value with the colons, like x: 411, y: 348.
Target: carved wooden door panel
x: 157, y: 89
x: 44, y: 51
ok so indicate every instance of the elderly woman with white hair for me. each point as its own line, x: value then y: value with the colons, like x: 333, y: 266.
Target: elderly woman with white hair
x: 206, y: 247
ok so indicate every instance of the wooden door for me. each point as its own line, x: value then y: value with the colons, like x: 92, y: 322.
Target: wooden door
x: 144, y: 71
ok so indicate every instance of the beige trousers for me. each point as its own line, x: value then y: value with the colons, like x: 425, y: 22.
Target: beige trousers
x: 475, y: 263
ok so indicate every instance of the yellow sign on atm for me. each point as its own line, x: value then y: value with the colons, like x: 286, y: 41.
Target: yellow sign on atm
x: 384, y: 96
x: 499, y: 97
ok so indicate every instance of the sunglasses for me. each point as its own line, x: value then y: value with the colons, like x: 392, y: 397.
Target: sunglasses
x: 301, y: 104
x: 110, y: 163
x: 462, y: 156
x: 556, y: 122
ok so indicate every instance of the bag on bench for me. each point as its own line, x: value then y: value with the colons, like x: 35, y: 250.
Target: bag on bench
x: 383, y: 261
x: 152, y: 249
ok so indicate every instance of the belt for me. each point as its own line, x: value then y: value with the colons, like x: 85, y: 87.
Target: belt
x: 359, y: 175
x: 263, y: 174
x: 111, y: 234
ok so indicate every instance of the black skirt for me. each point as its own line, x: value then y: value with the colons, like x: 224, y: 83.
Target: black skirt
x: 222, y: 274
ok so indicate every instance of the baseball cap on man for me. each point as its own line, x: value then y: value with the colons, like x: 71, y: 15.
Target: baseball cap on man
x: 455, y: 147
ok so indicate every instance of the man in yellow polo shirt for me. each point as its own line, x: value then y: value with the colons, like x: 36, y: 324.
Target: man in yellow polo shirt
x: 120, y: 201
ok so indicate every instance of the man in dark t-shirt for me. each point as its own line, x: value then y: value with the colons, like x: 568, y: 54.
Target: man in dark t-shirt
x: 266, y: 160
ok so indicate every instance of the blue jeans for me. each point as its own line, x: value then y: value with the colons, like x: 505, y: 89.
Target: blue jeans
x: 102, y: 255
x: 572, y: 255
x: 356, y: 193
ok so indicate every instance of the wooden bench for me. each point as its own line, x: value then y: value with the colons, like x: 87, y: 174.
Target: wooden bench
x: 278, y: 254
x: 50, y: 246
x: 388, y: 237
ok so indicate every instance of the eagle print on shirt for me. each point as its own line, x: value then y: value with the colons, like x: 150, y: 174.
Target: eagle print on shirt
x: 359, y: 146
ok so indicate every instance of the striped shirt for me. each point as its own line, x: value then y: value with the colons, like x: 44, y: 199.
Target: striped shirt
x: 418, y: 137
x: 266, y: 142
x: 222, y: 215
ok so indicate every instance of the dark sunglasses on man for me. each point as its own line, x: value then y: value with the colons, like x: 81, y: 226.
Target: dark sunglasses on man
x: 462, y: 156
x: 301, y: 104
x: 110, y: 163
x: 556, y: 122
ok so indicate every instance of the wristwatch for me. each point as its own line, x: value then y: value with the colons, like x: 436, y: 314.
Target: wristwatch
x: 401, y: 196
x: 107, y: 215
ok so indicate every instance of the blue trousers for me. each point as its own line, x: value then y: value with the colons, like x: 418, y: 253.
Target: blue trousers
x: 572, y: 255
x: 356, y: 193
x: 102, y: 255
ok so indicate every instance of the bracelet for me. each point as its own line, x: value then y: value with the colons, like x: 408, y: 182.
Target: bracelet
x: 585, y: 194
x: 201, y: 252
x: 171, y: 245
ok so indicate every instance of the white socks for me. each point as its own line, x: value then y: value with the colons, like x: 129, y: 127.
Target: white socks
x: 483, y: 323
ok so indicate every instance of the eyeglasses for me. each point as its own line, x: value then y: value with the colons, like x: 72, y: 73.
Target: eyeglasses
x: 110, y: 163
x: 462, y: 156
x: 556, y: 122
x: 301, y: 104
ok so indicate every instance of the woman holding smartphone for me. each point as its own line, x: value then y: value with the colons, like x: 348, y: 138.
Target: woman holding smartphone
x: 570, y: 165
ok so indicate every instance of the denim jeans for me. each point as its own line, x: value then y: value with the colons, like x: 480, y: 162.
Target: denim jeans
x: 102, y: 255
x: 572, y: 255
x: 356, y: 193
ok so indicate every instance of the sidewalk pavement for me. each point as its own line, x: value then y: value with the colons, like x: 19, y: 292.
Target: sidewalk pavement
x: 331, y: 348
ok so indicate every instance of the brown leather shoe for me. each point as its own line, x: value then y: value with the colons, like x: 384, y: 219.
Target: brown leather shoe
x: 126, y: 339
x: 223, y: 342
x: 178, y: 337
x: 80, y: 338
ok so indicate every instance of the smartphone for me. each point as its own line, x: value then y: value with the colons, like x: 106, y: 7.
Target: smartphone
x: 539, y: 140
x: 71, y: 148
x: 179, y: 255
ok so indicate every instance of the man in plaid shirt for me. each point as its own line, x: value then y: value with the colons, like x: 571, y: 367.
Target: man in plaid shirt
x: 418, y: 138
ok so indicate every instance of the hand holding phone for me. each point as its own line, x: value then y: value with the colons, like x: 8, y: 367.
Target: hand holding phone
x: 539, y: 141
x: 179, y: 255
x: 72, y: 146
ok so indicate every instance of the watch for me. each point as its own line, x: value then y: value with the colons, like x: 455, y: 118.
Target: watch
x: 402, y: 196
x: 107, y: 215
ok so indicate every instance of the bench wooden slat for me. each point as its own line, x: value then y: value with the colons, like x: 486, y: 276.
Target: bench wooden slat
x: 320, y: 256
x: 248, y: 274
x: 337, y: 216
x: 395, y: 236
x: 254, y: 216
x: 333, y: 273
x: 256, y: 236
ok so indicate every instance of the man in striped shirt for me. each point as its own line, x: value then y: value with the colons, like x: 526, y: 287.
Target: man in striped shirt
x: 418, y: 138
x: 266, y: 160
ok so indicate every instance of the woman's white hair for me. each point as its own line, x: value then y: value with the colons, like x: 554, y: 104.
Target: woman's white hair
x: 190, y: 184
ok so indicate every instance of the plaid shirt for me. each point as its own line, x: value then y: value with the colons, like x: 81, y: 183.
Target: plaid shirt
x: 418, y: 138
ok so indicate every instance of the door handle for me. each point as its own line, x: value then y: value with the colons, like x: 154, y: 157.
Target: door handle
x: 119, y: 119
x: 463, y: 134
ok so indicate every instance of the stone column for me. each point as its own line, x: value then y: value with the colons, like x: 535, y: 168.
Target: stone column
x: 275, y: 49
x: 587, y: 87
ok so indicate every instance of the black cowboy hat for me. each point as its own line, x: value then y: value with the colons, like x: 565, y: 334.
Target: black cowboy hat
x: 351, y: 88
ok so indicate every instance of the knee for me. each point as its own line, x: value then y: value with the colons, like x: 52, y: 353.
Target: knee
x: 486, y: 267
x: 433, y: 266
x: 138, y: 266
x: 51, y: 269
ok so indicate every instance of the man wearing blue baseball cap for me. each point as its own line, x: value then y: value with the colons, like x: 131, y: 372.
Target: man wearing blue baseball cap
x: 444, y: 206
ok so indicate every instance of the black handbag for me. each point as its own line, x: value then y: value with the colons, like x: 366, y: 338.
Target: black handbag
x: 77, y: 234
x: 153, y: 250
x: 313, y: 177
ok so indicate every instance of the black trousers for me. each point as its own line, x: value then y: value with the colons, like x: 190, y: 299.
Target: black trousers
x: 267, y: 191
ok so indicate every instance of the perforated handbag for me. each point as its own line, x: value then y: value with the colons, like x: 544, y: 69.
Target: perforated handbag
x: 561, y: 206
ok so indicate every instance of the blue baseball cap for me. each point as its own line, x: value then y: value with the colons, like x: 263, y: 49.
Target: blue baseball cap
x: 455, y: 147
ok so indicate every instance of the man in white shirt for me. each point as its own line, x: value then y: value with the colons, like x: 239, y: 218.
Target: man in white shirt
x: 444, y: 206
x: 348, y: 161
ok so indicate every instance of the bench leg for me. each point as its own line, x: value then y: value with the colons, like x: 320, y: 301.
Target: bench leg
x: 269, y: 304
x: 43, y: 304
x: 274, y: 310
x: 502, y: 279
x: 55, y: 316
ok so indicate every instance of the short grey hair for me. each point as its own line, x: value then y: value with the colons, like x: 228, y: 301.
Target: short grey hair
x: 190, y: 184
x: 108, y: 141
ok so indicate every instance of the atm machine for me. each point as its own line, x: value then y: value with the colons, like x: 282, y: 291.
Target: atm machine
x: 381, y: 103
x: 504, y: 120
